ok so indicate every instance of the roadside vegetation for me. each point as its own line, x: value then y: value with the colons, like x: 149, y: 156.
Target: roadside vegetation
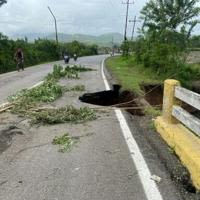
x: 130, y: 74
x: 40, y: 51
x: 161, y: 49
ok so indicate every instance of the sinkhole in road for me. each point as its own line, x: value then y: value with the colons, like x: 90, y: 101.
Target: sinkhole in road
x: 153, y: 93
x: 121, y: 99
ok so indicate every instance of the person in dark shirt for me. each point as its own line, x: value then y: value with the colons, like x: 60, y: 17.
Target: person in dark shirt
x: 19, y: 57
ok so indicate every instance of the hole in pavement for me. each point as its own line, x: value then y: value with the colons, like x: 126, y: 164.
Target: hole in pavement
x: 153, y: 93
x: 113, y: 97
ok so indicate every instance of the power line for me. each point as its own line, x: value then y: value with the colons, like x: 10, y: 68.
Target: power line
x: 126, y: 22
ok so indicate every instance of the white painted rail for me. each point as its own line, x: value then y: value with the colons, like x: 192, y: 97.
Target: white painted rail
x: 192, y: 99
x: 188, y: 97
x: 193, y: 123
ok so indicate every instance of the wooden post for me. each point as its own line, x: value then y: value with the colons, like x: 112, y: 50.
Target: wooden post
x: 169, y: 100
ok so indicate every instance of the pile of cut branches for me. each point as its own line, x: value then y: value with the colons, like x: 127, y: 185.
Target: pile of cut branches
x: 26, y: 99
x: 68, y: 114
x: 28, y: 102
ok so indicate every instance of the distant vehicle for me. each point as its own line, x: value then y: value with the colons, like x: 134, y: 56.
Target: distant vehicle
x: 112, y: 53
x: 75, y: 57
x: 66, y: 59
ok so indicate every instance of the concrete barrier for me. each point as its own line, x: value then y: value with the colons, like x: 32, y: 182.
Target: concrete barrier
x: 185, y: 141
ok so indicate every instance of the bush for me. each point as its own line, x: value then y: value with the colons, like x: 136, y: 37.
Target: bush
x: 165, y: 59
x: 42, y: 50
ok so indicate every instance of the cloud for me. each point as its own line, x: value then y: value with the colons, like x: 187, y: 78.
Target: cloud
x: 74, y: 16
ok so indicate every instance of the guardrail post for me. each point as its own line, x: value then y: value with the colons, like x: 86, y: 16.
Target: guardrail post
x: 169, y: 100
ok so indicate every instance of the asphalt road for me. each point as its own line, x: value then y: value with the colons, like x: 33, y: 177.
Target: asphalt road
x: 100, y: 167
x: 12, y: 82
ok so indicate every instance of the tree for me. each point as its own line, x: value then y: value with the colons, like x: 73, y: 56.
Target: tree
x: 166, y: 31
x: 175, y: 16
x: 2, y: 2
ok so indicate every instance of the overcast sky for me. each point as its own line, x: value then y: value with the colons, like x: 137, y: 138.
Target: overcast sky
x: 74, y: 16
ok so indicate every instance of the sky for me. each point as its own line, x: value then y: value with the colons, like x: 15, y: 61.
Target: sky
x: 94, y: 17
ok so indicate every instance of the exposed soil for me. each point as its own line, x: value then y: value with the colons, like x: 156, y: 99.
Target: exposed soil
x: 153, y: 93
x: 130, y: 101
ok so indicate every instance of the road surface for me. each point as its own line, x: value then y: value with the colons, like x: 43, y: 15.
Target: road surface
x: 100, y: 167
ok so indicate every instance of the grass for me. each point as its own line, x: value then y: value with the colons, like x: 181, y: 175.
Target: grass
x: 65, y: 142
x: 194, y: 66
x: 130, y: 74
x: 152, y: 111
x: 152, y: 126
x: 68, y: 114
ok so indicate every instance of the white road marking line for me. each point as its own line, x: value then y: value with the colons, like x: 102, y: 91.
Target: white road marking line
x: 150, y: 188
x: 36, y: 85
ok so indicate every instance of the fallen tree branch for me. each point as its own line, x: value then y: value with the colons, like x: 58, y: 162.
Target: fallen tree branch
x: 5, y: 107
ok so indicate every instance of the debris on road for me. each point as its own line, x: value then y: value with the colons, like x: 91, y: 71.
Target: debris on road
x: 25, y: 101
x: 65, y: 142
x: 66, y: 114
x: 156, y: 178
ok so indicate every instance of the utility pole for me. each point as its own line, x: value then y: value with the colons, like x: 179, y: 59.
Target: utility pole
x: 55, y: 24
x: 112, y: 46
x: 126, y: 22
x: 134, y: 22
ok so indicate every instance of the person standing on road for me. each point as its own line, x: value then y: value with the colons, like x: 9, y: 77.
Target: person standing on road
x: 75, y: 57
x: 19, y: 57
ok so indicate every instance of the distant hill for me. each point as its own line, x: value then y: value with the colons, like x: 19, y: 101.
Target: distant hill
x: 101, y: 40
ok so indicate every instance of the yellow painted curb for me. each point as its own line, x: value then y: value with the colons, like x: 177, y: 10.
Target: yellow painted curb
x: 185, y: 144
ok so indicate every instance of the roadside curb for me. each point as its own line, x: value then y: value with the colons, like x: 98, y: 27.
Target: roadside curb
x: 185, y: 144
x: 176, y: 132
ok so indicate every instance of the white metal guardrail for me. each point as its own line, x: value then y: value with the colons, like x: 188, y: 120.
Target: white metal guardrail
x: 191, y: 98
